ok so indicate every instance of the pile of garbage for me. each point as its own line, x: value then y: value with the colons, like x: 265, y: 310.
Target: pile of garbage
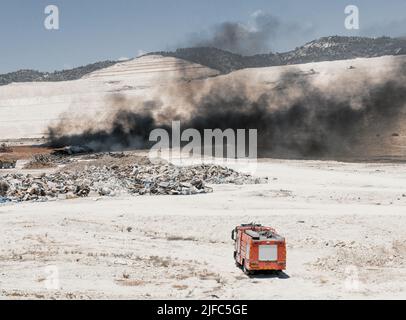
x: 110, y: 180
x: 40, y: 161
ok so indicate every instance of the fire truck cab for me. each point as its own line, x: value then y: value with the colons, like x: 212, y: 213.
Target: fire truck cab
x: 258, y: 248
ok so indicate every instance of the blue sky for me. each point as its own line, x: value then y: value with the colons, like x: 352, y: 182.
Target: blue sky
x: 93, y: 30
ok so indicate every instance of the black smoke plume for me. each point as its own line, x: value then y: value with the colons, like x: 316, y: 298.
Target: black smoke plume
x: 294, y: 119
x: 247, y: 39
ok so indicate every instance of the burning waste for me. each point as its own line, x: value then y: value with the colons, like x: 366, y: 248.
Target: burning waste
x: 296, y: 118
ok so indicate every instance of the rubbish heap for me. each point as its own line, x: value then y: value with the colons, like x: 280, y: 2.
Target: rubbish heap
x: 144, y: 178
x: 40, y: 161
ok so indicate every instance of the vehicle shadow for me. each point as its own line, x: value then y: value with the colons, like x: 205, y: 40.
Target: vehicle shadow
x: 269, y: 275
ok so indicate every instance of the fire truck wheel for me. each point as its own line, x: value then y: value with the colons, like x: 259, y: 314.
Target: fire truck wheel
x: 246, y: 271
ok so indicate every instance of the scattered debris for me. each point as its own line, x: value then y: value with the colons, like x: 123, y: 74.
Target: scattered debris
x: 7, y: 164
x: 3, y: 188
x: 40, y: 161
x: 5, y: 149
x: 72, y: 150
x: 113, y: 176
x: 3, y: 199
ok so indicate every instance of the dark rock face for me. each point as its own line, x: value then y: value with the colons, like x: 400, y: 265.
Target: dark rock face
x: 64, y: 75
x: 323, y: 49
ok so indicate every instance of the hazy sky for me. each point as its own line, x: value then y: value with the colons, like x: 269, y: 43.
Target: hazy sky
x: 93, y: 30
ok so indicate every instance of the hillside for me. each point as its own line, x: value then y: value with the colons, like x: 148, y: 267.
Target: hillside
x: 63, y: 75
x: 324, y: 49
x: 26, y: 109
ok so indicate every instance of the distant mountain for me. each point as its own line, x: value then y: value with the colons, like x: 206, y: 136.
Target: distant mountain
x: 221, y: 60
x: 323, y: 49
x: 64, y: 75
x: 342, y: 48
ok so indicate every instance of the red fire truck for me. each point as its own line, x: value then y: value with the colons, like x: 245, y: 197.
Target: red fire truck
x: 258, y: 248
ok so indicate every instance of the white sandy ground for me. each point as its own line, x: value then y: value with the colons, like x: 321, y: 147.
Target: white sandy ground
x: 344, y: 225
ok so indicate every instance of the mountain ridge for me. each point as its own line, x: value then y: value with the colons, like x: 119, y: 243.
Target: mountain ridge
x: 329, y: 48
x: 323, y: 49
x: 28, y: 75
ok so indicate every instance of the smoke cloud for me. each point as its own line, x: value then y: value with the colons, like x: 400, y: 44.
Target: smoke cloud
x: 295, y: 119
x: 248, y: 39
